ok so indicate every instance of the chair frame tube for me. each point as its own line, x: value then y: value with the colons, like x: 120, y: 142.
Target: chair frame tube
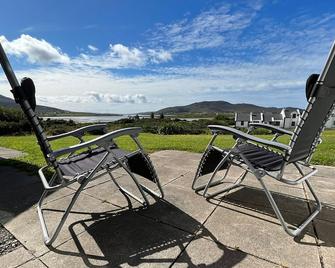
x: 259, y: 174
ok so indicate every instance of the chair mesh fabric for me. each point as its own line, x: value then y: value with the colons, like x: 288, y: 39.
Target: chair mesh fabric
x: 311, y: 125
x: 321, y: 104
x: 210, y: 159
x: 142, y: 166
x: 260, y: 157
x: 86, y: 161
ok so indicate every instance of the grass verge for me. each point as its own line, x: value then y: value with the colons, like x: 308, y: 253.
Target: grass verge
x: 325, y: 154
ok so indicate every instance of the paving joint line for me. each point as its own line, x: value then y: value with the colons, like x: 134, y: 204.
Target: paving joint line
x: 192, y: 239
x: 217, y: 241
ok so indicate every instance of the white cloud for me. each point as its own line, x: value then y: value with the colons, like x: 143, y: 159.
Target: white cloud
x: 120, y: 56
x: 271, y: 68
x: 92, y: 48
x: 112, y: 98
x: 36, y: 51
x: 157, y: 56
x: 94, y: 97
x: 209, y: 29
x: 126, y: 56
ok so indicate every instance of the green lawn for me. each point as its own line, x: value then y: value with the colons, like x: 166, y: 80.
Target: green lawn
x: 325, y: 154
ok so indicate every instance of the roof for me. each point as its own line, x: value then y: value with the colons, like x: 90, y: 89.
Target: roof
x: 267, y: 117
x: 256, y: 116
x: 243, y: 117
x: 287, y: 113
x: 277, y: 116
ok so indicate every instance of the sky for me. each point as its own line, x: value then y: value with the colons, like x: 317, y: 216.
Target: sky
x: 135, y: 56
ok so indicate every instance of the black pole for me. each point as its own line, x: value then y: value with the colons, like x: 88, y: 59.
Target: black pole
x: 8, y: 69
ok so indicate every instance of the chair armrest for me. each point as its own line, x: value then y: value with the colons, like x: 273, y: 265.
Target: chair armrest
x: 278, y: 130
x: 245, y: 136
x: 102, y: 140
x: 78, y: 132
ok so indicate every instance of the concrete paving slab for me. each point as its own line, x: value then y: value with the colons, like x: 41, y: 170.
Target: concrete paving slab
x: 19, y: 192
x: 325, y: 171
x: 240, y: 229
x: 101, y: 179
x: 33, y: 264
x: 181, y: 208
x: 6, y: 153
x: 166, y: 173
x: 326, y: 237
x: 15, y: 258
x: 259, y: 233
x: 205, y: 253
x: 26, y: 226
x: 326, y: 194
x: 123, y: 240
x: 177, y: 159
x: 108, y: 191
x: 287, y: 199
x: 176, y: 154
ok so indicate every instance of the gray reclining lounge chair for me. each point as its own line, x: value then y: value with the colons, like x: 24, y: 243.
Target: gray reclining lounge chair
x: 270, y: 158
x: 101, y: 155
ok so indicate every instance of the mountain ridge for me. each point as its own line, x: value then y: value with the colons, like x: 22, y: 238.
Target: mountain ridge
x: 42, y: 110
x: 219, y: 107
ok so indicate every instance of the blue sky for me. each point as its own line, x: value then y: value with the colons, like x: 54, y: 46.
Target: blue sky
x: 132, y: 56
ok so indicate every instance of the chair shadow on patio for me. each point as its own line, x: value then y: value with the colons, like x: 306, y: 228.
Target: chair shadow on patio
x: 128, y: 237
x: 19, y: 190
x: 254, y: 200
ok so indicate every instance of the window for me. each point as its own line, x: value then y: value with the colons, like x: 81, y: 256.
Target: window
x: 242, y: 123
x: 292, y: 124
x: 294, y: 116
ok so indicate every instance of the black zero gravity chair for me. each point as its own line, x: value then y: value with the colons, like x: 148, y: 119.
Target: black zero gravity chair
x: 100, y: 156
x: 270, y: 158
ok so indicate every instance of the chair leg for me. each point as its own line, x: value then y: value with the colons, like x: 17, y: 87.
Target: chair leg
x: 210, y: 182
x: 49, y: 239
x: 145, y: 201
x: 236, y: 184
x: 124, y: 190
x: 293, y: 231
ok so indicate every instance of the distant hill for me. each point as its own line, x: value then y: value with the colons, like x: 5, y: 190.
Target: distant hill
x: 10, y: 103
x: 44, y: 110
x: 218, y: 107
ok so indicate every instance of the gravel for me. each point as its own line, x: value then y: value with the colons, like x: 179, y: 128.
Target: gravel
x: 7, y: 241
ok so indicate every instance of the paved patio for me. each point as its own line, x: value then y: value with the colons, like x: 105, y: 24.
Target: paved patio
x: 184, y: 230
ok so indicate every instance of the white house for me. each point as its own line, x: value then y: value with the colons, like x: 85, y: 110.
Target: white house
x: 285, y: 119
x: 290, y: 118
x: 242, y: 120
x: 331, y: 121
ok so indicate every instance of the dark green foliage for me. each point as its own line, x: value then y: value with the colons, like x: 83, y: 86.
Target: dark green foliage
x: 55, y: 127
x: 228, y: 120
x: 13, y: 122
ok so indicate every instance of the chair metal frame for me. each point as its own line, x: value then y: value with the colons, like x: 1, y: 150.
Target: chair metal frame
x: 235, y: 157
x: 103, y: 167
